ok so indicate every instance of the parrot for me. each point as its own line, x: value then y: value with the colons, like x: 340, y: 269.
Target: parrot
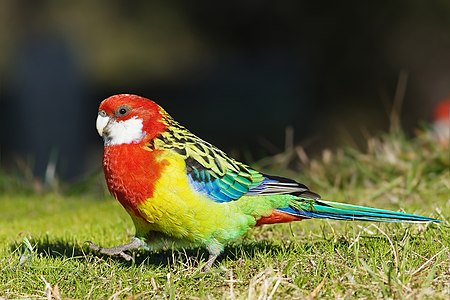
x: 182, y: 192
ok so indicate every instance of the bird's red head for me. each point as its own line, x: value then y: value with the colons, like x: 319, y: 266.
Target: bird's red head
x: 126, y: 119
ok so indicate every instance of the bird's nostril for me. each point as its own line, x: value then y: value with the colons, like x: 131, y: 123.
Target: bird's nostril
x: 102, y: 113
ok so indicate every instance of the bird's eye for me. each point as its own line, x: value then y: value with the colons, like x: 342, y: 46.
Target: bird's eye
x: 122, y: 111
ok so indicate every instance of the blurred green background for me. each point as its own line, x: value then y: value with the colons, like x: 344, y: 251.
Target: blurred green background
x: 236, y: 73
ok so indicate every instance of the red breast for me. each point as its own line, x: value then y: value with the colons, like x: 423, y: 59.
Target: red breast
x: 131, y: 172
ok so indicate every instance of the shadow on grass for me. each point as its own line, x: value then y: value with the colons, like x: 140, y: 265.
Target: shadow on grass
x: 59, y: 248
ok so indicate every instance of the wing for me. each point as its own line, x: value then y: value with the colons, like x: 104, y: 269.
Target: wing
x: 238, y: 180
x: 212, y: 172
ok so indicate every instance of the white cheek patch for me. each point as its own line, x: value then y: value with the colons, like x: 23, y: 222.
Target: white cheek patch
x: 124, y: 132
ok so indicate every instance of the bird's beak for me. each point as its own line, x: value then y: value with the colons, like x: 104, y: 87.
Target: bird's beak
x: 102, y: 122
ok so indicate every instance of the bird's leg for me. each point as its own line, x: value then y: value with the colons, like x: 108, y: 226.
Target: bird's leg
x: 214, y: 248
x: 118, y: 250
x: 210, y: 262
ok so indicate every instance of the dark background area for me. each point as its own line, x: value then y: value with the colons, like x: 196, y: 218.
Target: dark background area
x: 236, y: 73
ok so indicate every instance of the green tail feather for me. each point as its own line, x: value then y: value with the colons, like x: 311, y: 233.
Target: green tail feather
x: 310, y: 208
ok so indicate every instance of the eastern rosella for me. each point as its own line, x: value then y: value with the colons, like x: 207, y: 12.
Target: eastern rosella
x: 182, y: 191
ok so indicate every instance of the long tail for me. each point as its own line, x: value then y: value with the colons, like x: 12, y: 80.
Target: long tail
x: 312, y: 208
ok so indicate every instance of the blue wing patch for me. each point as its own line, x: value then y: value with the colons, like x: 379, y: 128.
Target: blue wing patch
x: 232, y: 185
x: 221, y: 189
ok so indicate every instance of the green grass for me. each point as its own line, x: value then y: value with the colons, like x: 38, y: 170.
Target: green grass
x: 43, y: 255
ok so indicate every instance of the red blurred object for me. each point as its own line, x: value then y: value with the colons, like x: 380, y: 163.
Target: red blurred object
x: 442, y: 111
x: 441, y: 122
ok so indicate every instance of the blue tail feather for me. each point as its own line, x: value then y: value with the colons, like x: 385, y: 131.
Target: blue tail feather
x: 311, y: 208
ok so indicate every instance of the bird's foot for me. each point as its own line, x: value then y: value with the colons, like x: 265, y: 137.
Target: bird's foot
x: 117, y: 250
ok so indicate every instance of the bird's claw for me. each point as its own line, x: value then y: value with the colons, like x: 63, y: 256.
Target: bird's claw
x: 126, y: 256
x: 93, y: 246
x: 113, y: 251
